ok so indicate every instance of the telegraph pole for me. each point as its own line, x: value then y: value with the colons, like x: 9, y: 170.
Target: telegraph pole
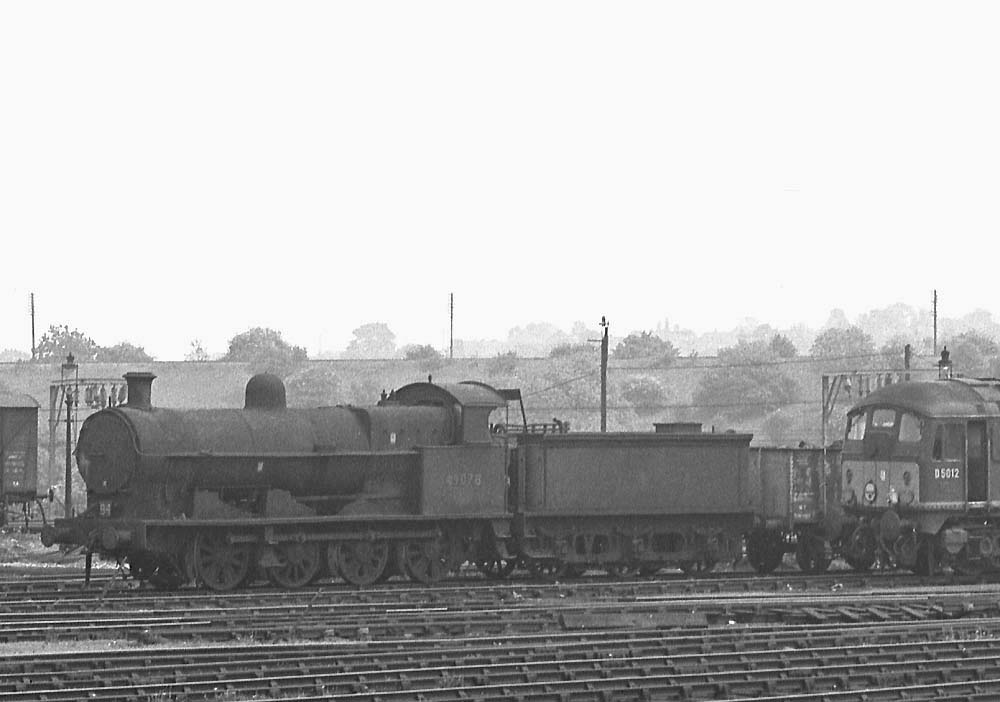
x: 69, y: 370
x: 451, y: 326
x: 935, y: 322
x: 33, y: 352
x: 604, y: 375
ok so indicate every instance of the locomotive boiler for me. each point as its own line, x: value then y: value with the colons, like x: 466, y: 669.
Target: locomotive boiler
x: 210, y: 494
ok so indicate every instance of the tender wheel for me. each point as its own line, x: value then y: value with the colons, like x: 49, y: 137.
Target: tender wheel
x: 422, y: 561
x: 300, y: 565
x: 496, y: 568
x: 362, y: 563
x: 963, y: 565
x: 926, y: 562
x: 765, y: 551
x: 220, y: 565
x: 810, y: 554
x: 861, y: 549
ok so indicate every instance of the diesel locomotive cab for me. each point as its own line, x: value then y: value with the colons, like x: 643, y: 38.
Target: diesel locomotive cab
x: 916, y: 474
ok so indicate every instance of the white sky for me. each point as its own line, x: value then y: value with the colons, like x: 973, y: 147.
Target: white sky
x: 181, y: 170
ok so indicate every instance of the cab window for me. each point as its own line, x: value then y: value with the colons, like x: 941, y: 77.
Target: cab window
x: 883, y: 419
x: 995, y: 442
x: 949, y: 442
x: 910, y: 428
x: 856, y: 426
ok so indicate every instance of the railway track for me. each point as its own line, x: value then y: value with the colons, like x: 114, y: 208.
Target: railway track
x: 843, y: 636
x: 482, y: 609
x: 69, y: 581
x: 918, y: 660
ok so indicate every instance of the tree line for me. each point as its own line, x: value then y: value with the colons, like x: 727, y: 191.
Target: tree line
x: 756, y: 383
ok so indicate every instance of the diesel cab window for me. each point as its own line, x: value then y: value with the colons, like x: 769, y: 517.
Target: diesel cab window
x: 949, y: 442
x: 856, y: 427
x: 909, y: 428
x: 883, y: 419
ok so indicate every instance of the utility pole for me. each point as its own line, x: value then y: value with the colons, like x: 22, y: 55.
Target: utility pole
x: 451, y: 326
x: 70, y: 370
x: 935, y: 322
x: 604, y: 375
x: 33, y: 352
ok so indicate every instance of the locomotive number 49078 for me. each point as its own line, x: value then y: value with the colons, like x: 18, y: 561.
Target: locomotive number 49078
x: 946, y: 473
x: 464, y: 479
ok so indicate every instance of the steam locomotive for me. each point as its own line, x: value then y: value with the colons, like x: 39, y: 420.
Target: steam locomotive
x: 431, y: 477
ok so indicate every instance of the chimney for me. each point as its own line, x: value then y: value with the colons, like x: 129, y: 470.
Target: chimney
x: 140, y: 390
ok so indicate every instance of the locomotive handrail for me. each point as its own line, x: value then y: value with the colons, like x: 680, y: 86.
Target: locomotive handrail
x: 280, y: 454
x: 537, y: 428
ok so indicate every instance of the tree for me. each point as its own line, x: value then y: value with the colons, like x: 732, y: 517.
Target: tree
x: 782, y: 347
x: 897, y: 321
x: 577, y: 349
x: 972, y: 353
x: 836, y: 342
x: 373, y: 340
x: 748, y: 383
x: 893, y: 351
x: 646, y: 346
x: 8, y: 355
x: 420, y: 352
x: 837, y: 320
x: 536, y: 338
x: 197, y: 352
x: 645, y: 395
x: 429, y: 358
x: 123, y: 352
x: 314, y: 385
x: 503, y: 365
x: 59, y: 341
x: 265, y: 351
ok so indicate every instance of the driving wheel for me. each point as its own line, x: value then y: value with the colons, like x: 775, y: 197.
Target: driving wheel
x: 219, y: 564
x: 362, y: 563
x: 300, y: 564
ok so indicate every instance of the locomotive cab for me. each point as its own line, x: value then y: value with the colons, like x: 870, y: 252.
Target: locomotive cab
x: 881, y: 458
x: 920, y: 474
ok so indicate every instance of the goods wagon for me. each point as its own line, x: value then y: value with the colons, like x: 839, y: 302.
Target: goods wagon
x: 18, y: 451
x: 797, y: 492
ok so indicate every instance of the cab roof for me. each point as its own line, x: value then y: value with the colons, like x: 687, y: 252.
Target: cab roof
x: 467, y: 393
x: 955, y: 397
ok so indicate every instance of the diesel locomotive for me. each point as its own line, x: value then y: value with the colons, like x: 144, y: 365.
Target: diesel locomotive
x: 920, y: 475
x: 431, y: 477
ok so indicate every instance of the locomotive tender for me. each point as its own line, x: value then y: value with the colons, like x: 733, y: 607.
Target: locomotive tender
x: 920, y: 475
x: 416, y: 485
